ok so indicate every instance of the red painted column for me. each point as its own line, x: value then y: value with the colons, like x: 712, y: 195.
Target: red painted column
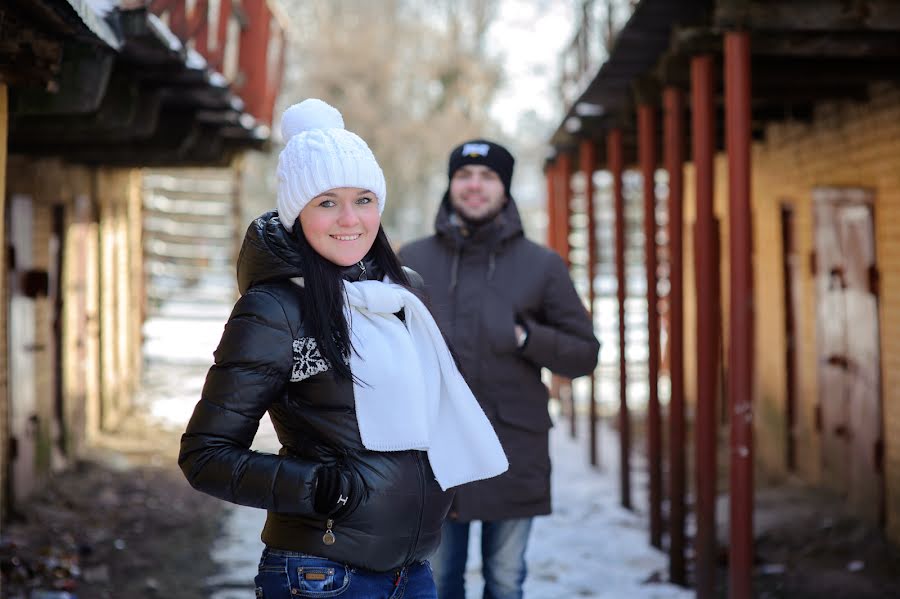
x: 647, y: 159
x: 563, y: 215
x: 274, y: 86
x: 673, y: 101
x: 564, y: 174
x: 740, y: 354
x: 178, y: 20
x: 587, y: 155
x: 216, y: 57
x: 253, y: 62
x: 201, y: 37
x: 550, y: 175
x: 615, y: 160
x: 706, y: 265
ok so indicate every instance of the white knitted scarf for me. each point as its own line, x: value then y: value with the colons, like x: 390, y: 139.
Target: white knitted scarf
x: 410, y: 394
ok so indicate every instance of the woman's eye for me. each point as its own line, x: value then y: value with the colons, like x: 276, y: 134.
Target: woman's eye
x: 364, y: 201
x: 327, y: 204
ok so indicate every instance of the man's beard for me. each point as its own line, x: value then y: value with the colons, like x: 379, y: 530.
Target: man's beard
x: 484, y: 219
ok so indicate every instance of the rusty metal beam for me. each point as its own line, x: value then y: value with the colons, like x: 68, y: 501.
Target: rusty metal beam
x: 563, y: 228
x: 550, y: 176
x: 615, y: 163
x: 740, y: 355
x: 648, y: 159
x: 254, y: 45
x: 587, y: 156
x: 673, y: 149
x: 706, y: 264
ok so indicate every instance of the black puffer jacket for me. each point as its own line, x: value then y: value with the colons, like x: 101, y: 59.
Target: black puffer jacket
x: 263, y: 363
x: 481, y: 282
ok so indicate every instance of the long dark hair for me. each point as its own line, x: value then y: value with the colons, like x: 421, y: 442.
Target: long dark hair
x: 322, y: 300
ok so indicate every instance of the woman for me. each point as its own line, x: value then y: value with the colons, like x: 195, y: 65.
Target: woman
x: 330, y: 339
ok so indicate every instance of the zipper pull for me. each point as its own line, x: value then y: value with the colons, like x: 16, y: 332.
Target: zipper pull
x: 363, y: 276
x: 328, y: 537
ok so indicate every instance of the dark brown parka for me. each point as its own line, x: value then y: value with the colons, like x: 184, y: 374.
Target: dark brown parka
x: 481, y: 282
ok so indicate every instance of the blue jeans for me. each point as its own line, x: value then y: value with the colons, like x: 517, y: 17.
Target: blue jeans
x: 289, y: 574
x: 503, y: 545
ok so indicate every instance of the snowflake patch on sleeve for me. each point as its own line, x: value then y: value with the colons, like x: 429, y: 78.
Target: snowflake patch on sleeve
x: 307, y: 360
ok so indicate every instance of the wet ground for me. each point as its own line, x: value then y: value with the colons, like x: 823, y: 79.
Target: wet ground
x: 121, y: 523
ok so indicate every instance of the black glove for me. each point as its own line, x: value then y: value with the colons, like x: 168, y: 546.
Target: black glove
x: 335, y: 491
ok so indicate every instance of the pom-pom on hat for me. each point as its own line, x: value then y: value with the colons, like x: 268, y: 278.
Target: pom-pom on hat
x: 319, y: 154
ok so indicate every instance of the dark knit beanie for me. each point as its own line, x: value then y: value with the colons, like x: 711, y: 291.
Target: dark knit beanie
x: 490, y: 154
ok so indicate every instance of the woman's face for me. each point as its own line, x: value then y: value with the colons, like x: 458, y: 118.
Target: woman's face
x: 341, y: 224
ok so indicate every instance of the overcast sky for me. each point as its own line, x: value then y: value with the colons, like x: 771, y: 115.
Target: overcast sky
x: 529, y: 35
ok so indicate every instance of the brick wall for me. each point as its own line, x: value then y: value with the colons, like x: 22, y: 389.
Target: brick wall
x: 847, y: 144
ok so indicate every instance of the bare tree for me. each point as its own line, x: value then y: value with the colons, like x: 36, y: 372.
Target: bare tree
x: 411, y: 77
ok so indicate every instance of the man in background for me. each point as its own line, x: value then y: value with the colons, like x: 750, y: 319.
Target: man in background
x: 509, y: 308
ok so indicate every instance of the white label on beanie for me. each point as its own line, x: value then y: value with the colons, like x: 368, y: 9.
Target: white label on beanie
x: 475, y: 150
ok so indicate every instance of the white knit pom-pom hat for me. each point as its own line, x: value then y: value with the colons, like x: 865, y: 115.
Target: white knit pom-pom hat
x: 320, y: 155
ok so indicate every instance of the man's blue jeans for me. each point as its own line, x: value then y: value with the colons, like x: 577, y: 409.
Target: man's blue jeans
x: 503, y: 545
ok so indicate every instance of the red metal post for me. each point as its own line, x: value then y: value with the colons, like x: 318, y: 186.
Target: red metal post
x: 588, y: 158
x: 706, y: 266
x: 673, y: 101
x: 178, y: 19
x: 615, y: 162
x: 201, y: 40
x: 647, y: 159
x: 277, y: 76
x: 740, y: 354
x: 550, y: 174
x: 563, y: 215
x: 563, y: 203
x: 216, y: 58
x: 253, y: 60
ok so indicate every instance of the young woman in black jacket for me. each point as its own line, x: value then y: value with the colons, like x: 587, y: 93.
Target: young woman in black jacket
x: 331, y: 339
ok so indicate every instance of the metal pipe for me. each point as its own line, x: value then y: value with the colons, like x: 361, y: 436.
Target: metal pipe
x: 550, y: 175
x: 615, y: 160
x: 740, y: 354
x: 588, y: 158
x: 647, y: 158
x: 706, y: 266
x: 563, y: 226
x: 674, y: 136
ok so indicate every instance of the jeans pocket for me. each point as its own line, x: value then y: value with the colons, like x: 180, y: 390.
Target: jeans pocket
x: 318, y: 577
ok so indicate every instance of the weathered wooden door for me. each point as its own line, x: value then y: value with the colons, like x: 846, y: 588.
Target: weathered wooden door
x: 23, y: 410
x: 849, y: 365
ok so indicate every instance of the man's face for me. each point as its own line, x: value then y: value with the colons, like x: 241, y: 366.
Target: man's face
x: 476, y: 193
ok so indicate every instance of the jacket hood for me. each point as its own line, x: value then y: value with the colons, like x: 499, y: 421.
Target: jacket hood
x: 269, y: 253
x: 450, y: 226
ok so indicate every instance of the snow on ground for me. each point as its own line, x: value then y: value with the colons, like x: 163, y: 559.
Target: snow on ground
x: 589, y: 546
